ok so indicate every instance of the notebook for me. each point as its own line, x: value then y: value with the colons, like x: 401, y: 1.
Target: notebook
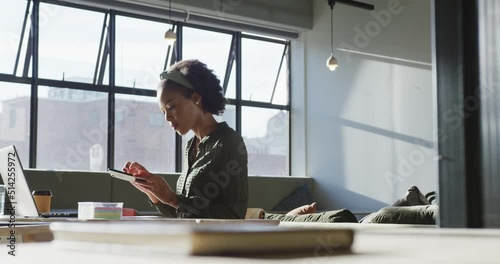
x: 18, y: 191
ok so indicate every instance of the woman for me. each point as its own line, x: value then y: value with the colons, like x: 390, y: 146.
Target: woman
x: 214, y: 183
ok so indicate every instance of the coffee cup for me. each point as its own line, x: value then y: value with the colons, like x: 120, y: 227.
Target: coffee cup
x: 43, y: 199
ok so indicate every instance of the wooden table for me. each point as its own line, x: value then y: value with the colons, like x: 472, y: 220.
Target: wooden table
x: 378, y: 245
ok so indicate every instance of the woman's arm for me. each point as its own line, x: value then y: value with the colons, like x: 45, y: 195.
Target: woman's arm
x: 155, y: 187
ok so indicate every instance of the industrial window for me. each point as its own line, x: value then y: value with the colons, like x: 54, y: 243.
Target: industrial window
x: 91, y: 81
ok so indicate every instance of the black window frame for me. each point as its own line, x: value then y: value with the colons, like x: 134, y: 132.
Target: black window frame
x: 107, y: 56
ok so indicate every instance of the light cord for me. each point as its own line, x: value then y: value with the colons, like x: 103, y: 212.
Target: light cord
x: 331, y: 27
x: 170, y: 11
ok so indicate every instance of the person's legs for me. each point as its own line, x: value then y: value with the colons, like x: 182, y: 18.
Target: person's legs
x: 412, y: 197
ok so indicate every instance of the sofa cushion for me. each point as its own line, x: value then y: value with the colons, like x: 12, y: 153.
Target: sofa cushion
x: 299, y: 197
x: 336, y: 216
x: 417, y: 215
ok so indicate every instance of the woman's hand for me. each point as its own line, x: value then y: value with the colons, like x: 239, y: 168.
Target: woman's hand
x: 154, y: 186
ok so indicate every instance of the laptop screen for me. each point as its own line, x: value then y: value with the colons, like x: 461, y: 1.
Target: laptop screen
x: 18, y: 191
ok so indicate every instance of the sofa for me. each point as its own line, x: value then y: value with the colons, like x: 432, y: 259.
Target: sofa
x: 412, y: 208
x: 71, y: 187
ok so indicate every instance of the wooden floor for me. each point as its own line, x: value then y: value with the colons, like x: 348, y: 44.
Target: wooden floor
x: 372, y: 245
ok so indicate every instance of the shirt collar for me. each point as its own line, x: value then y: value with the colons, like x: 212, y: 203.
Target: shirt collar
x: 218, y: 129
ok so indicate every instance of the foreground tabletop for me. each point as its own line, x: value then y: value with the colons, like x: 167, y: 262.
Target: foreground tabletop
x: 402, y: 245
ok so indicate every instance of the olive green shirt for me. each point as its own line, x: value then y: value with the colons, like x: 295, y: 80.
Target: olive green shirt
x: 214, y: 183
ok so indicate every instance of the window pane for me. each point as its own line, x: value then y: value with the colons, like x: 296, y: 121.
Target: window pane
x: 69, y: 43
x: 266, y: 134
x: 72, y: 129
x: 141, y: 51
x: 15, y: 118
x: 231, y: 87
x: 258, y: 78
x: 209, y: 47
x: 281, y: 92
x: 11, y: 23
x: 229, y: 117
x: 142, y: 135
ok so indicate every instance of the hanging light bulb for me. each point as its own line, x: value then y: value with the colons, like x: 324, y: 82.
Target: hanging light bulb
x: 170, y: 35
x: 331, y: 62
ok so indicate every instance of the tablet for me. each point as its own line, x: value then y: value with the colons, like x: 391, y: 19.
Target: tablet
x: 123, y: 175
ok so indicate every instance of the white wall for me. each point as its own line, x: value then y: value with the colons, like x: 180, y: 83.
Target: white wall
x: 367, y: 128
x: 365, y: 131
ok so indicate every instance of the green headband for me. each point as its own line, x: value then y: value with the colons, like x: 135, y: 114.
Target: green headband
x: 177, y: 77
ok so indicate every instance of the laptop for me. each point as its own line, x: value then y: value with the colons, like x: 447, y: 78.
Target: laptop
x: 18, y: 191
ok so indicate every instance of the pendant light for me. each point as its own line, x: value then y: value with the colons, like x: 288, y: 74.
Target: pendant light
x: 170, y: 35
x: 331, y: 62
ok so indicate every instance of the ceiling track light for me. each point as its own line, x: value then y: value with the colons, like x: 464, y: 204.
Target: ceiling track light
x: 355, y: 4
x: 332, y: 62
x: 170, y: 35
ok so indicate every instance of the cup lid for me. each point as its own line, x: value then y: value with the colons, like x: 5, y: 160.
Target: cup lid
x: 42, y: 192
